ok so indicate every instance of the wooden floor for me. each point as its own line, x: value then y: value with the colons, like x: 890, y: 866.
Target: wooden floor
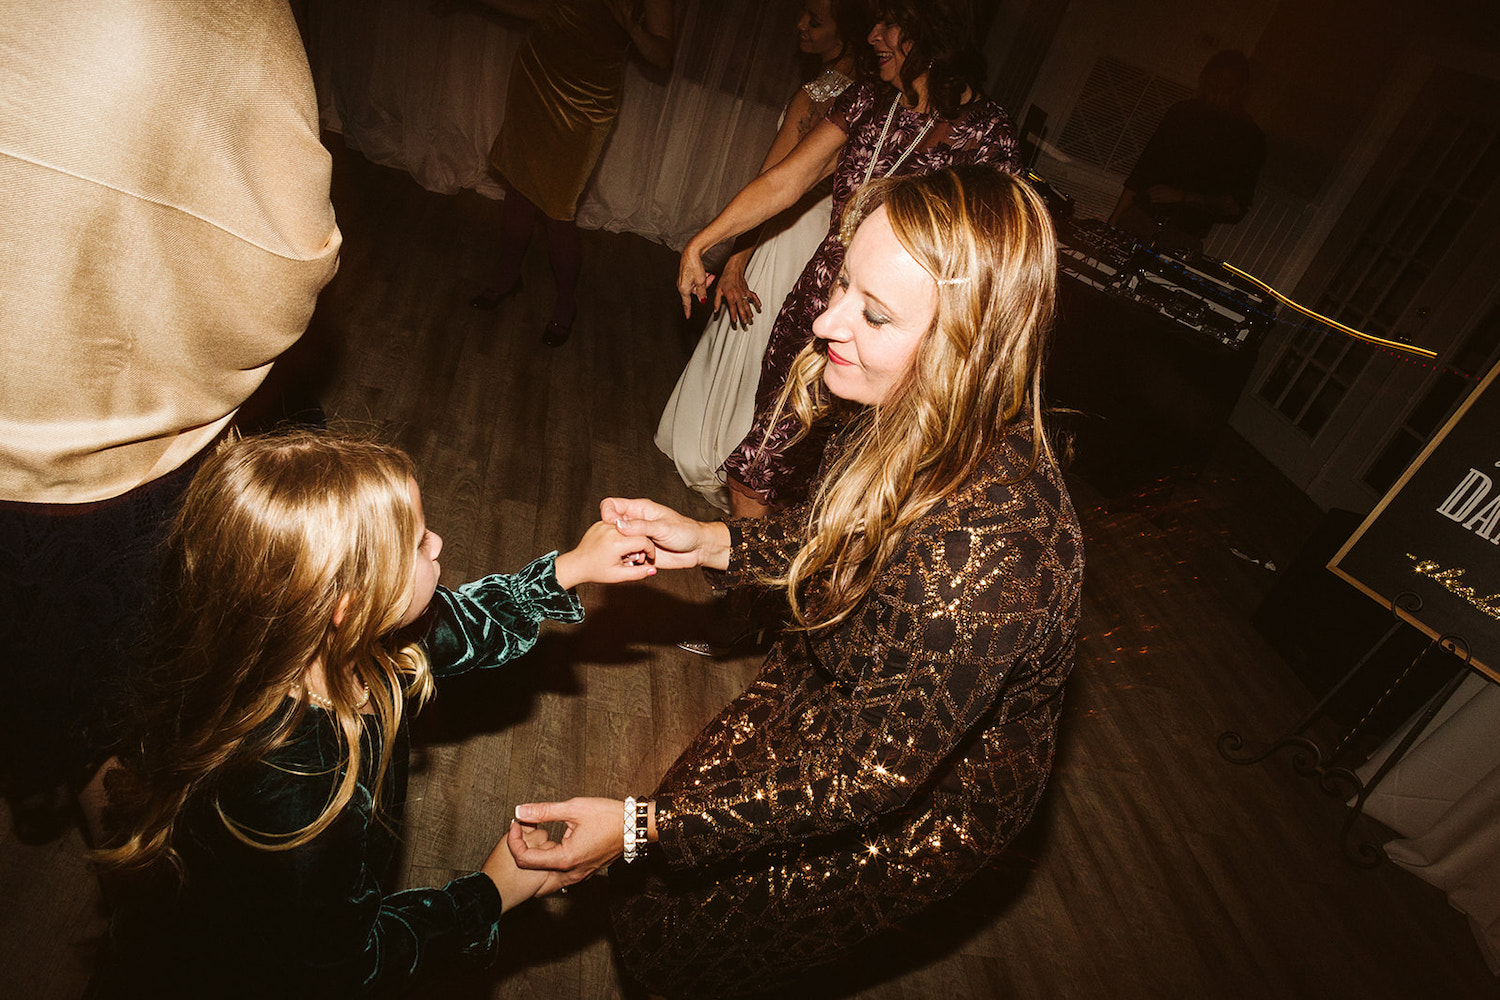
x: 1154, y: 869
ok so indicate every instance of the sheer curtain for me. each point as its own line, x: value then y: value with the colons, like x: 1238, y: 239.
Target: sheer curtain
x: 424, y: 92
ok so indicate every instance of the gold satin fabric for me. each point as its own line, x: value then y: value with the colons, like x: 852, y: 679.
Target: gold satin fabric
x: 563, y: 98
x: 165, y: 230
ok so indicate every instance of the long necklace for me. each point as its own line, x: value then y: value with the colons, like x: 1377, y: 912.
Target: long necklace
x: 885, y: 131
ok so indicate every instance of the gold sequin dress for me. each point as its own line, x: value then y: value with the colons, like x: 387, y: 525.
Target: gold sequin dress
x: 871, y: 769
x: 563, y: 96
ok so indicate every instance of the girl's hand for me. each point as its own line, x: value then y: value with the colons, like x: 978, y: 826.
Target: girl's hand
x: 679, y: 541
x: 692, y: 279
x: 604, y: 555
x: 595, y: 836
x: 517, y: 884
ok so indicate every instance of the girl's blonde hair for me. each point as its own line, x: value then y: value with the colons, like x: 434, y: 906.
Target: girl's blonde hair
x: 988, y: 242
x: 277, y: 538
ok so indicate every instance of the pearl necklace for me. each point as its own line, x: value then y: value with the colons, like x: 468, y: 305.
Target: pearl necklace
x: 885, y: 131
x: 327, y: 703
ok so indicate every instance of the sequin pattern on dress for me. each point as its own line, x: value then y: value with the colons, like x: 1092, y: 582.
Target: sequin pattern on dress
x: 873, y: 768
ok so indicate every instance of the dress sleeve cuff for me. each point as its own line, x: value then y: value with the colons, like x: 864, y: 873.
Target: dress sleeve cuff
x: 477, y: 909
x: 495, y: 619
x: 735, y: 574
x: 534, y: 591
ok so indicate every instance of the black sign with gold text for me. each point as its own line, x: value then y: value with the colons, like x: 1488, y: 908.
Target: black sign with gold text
x: 1436, y: 534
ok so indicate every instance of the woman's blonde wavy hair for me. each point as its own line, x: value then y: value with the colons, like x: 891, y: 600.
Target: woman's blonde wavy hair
x: 988, y: 242
x: 276, y: 537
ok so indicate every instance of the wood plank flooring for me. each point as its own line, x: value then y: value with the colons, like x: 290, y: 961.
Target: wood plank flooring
x: 1154, y: 869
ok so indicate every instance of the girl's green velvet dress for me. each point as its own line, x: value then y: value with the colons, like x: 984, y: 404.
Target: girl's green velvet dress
x: 318, y: 920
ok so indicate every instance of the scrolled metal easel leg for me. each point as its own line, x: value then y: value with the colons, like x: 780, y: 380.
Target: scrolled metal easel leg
x: 1230, y: 741
x: 1339, y: 781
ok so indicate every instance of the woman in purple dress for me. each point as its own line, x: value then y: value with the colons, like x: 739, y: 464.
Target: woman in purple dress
x: 924, y: 113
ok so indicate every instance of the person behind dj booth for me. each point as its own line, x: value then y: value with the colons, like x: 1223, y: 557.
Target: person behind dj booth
x: 1200, y: 166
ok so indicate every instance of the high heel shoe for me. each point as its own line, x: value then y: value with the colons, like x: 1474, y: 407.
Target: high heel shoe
x: 490, y: 299
x: 555, y: 334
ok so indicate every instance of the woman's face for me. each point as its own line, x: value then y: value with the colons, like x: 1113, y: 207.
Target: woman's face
x: 890, y: 50
x: 425, y: 571
x: 817, y: 32
x: 881, y: 306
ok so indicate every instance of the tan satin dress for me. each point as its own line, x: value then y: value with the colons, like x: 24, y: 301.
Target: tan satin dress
x: 563, y: 98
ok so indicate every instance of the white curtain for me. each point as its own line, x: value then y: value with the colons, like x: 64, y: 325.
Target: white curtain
x: 425, y: 92
x: 1443, y: 797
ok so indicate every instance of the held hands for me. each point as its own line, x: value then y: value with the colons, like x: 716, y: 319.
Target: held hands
x: 635, y: 538
x: 604, y: 555
x: 679, y: 542
x: 517, y: 885
x: 594, y: 836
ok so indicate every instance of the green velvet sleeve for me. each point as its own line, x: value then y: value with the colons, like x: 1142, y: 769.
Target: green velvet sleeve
x: 317, y: 915
x: 496, y: 619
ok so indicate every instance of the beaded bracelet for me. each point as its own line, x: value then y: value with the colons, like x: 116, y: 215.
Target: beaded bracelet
x: 635, y: 829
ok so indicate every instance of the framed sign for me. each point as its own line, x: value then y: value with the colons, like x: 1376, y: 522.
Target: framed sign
x: 1436, y: 534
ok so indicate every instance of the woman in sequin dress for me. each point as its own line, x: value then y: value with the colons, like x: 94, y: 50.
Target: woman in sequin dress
x: 924, y: 112
x: 903, y: 728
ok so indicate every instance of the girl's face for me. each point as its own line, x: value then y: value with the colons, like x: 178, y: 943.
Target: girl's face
x: 817, y: 32
x: 425, y: 571
x: 881, y: 305
x: 890, y: 50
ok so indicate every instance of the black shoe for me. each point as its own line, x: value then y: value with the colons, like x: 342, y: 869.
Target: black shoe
x: 757, y: 641
x: 746, y: 620
x: 555, y: 334
x: 489, y: 299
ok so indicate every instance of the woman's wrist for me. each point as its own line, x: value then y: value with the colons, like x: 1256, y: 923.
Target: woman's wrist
x: 735, y: 266
x: 715, y: 545
x: 566, y: 572
x: 696, y: 248
x: 638, y: 827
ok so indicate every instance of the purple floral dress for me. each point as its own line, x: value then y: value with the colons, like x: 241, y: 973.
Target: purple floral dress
x: 980, y: 133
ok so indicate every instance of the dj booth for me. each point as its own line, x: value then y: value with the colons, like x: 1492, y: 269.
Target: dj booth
x: 1151, y: 350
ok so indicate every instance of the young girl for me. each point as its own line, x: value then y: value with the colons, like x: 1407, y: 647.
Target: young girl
x: 256, y: 814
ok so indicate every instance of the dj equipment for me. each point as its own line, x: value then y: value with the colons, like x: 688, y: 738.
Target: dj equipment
x: 1196, y: 292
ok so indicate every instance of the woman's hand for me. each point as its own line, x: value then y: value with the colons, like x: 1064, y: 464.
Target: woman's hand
x: 517, y: 885
x: 680, y: 541
x: 604, y: 555
x: 776, y: 189
x: 692, y: 279
x: 734, y: 293
x: 594, y: 836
